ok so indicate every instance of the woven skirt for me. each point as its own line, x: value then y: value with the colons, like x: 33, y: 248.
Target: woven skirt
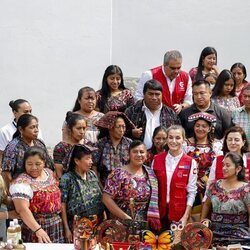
x: 50, y: 223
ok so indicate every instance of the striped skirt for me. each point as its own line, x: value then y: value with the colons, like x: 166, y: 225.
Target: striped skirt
x: 50, y: 223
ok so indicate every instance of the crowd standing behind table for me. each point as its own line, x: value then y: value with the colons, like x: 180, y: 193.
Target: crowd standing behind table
x: 177, y: 92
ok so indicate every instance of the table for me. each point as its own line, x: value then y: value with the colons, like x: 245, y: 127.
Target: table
x: 40, y: 246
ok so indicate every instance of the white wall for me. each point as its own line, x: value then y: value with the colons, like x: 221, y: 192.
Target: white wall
x: 49, y: 49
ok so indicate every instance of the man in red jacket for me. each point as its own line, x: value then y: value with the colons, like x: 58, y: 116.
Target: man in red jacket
x: 176, y: 84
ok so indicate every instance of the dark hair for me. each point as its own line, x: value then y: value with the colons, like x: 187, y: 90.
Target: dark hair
x: 238, y: 162
x: 156, y: 131
x: 23, y: 122
x: 235, y: 129
x: 224, y: 76
x: 15, y: 105
x: 205, y: 52
x: 72, y: 118
x: 153, y: 85
x: 212, y: 75
x: 242, y: 67
x: 200, y: 82
x: 32, y: 151
x: 78, y: 151
x: 79, y: 96
x: 210, y: 135
x: 135, y: 144
x: 105, y: 91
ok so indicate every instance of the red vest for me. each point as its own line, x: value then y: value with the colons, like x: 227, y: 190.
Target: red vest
x: 178, y: 193
x: 180, y: 88
x: 219, y: 166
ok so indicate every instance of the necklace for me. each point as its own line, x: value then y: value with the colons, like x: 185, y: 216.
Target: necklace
x: 140, y: 175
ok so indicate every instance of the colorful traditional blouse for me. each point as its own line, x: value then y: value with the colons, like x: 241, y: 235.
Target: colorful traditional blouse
x: 108, y: 157
x: 230, y: 104
x: 60, y: 151
x: 238, y: 89
x: 44, y: 196
x: 45, y: 204
x: 14, y: 153
x: 116, y: 103
x: 193, y: 73
x: 150, y: 157
x: 122, y: 185
x: 92, y: 131
x: 204, y: 155
x: 229, y: 213
x: 82, y: 197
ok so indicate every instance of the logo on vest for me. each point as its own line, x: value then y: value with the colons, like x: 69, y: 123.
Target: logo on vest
x: 181, y: 84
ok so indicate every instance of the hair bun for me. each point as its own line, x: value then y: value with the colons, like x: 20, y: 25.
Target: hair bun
x: 68, y: 115
x: 11, y: 104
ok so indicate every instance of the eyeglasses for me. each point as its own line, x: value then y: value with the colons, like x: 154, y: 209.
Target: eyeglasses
x: 174, y: 68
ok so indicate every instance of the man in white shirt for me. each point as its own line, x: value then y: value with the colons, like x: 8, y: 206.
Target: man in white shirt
x: 149, y: 113
x: 176, y: 84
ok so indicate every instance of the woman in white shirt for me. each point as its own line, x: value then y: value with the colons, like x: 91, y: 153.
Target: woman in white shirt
x: 19, y: 107
x: 177, y: 176
x: 235, y: 141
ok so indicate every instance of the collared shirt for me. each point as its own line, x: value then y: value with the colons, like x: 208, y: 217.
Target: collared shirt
x: 7, y: 132
x: 147, y: 75
x: 136, y: 114
x: 241, y: 118
x: 153, y: 121
x: 171, y: 162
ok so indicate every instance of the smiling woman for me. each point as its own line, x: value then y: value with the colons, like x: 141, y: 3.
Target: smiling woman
x: 113, y: 96
x: 133, y: 181
x: 229, y: 200
x: 177, y: 175
x: 203, y: 148
x: 37, y: 199
x: 235, y: 141
x: 207, y: 64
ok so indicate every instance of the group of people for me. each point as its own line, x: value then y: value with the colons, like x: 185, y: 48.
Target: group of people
x: 178, y: 148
